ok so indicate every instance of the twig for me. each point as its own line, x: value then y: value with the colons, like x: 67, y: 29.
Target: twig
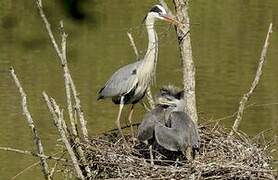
x: 83, y: 122
x: 132, y: 44
x: 36, y: 138
x: 58, y: 118
x: 32, y: 154
x: 53, y: 169
x: 255, y: 82
x: 48, y: 28
x: 124, y: 127
x: 79, y: 150
x: 145, y: 106
x: 150, y: 98
x: 66, y: 70
x: 24, y: 170
x: 66, y: 80
x: 163, y: 3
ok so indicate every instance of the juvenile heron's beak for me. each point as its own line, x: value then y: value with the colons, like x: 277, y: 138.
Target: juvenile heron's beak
x: 171, y: 20
x: 164, y: 101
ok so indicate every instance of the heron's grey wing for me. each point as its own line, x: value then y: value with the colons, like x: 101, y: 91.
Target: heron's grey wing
x: 167, y: 137
x: 178, y: 135
x: 146, y: 128
x: 187, y: 128
x: 121, y: 82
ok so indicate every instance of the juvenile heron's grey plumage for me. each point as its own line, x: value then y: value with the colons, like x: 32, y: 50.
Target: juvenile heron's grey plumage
x: 168, y: 124
x: 128, y: 84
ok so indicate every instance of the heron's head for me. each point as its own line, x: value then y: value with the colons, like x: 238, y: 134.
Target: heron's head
x: 159, y: 12
x: 171, y: 96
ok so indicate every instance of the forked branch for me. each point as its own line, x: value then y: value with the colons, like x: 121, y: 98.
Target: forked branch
x: 59, y: 121
x: 61, y: 52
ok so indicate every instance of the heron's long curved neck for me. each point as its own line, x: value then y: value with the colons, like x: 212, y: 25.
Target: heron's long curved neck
x: 152, y: 51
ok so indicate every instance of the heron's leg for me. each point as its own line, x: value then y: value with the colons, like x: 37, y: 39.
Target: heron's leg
x: 130, y: 121
x: 151, y: 154
x: 119, y: 117
x: 176, y: 162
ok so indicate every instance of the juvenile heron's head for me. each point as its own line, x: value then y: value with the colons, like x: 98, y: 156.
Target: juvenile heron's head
x: 171, y: 96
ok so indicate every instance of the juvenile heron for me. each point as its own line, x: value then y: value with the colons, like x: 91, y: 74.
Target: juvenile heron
x: 168, y: 124
x: 128, y: 84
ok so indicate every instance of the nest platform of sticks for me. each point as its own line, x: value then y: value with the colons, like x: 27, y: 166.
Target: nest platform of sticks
x: 221, y: 157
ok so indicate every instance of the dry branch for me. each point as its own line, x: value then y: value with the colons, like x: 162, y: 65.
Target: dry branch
x: 150, y: 98
x: 255, y: 82
x: 24, y: 170
x: 70, y: 88
x: 78, y: 109
x: 36, y: 138
x: 67, y: 82
x: 132, y: 44
x: 163, y: 3
x: 58, y: 120
x: 32, y: 154
x: 68, y: 79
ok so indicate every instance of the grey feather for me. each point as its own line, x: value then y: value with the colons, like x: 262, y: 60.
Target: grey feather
x: 146, y: 128
x: 177, y: 137
x: 168, y: 124
x: 121, y: 82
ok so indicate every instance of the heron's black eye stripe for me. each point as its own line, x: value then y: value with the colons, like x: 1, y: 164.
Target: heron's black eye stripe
x: 156, y: 9
x: 134, y: 72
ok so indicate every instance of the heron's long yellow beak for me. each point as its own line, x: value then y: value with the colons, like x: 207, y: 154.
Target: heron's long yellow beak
x: 171, y: 20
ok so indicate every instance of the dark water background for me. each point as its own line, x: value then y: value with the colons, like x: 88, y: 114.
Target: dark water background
x: 227, y: 37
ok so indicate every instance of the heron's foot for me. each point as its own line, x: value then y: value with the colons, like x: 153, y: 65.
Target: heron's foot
x: 132, y: 132
x: 176, y: 162
x: 123, y: 138
x: 132, y: 135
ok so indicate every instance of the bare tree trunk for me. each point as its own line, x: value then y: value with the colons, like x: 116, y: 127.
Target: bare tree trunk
x: 183, y: 34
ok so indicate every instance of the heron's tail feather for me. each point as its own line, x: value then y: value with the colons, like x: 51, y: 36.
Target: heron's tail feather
x: 100, y: 96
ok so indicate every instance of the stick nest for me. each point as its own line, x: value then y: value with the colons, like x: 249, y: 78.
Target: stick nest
x: 220, y: 157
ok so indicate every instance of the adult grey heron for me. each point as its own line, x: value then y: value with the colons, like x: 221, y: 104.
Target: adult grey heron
x: 168, y: 124
x: 128, y: 84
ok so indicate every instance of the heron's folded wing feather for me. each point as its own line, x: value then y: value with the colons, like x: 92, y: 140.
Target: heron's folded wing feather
x: 121, y: 82
x: 146, y: 128
x: 188, y: 129
x: 177, y: 136
x: 167, y: 137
